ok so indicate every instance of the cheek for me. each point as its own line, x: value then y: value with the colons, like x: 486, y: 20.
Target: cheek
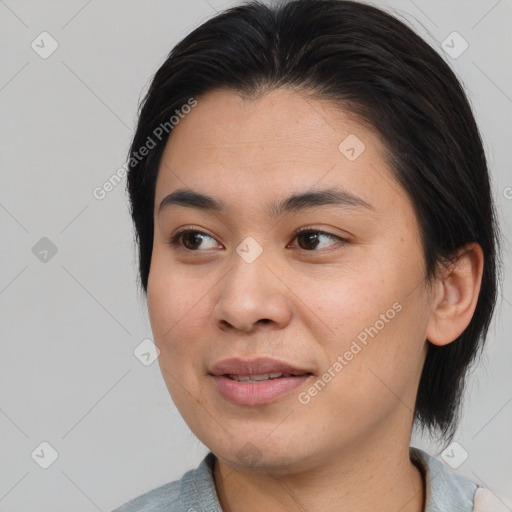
x: 177, y: 311
x: 381, y: 360
x: 377, y: 320
x: 347, y: 300
x: 173, y: 299
x: 177, y: 321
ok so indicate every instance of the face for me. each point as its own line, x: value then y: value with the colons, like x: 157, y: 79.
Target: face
x: 282, y: 348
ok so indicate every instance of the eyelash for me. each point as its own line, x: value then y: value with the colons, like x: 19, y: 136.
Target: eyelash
x: 174, y: 241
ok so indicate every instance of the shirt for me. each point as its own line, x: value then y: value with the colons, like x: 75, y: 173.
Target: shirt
x: 195, y: 491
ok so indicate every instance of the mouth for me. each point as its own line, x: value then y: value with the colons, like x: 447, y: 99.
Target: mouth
x: 261, y: 368
x: 257, y: 381
x: 264, y: 376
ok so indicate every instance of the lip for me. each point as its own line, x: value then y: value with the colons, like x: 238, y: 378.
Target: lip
x: 256, y: 393
x: 237, y: 366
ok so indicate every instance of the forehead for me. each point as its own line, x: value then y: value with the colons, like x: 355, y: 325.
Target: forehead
x: 283, y: 141
x: 281, y: 123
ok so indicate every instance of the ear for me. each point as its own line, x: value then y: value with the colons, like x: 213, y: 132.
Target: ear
x: 455, y: 295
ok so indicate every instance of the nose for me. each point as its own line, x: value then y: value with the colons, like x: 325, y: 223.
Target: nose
x: 252, y: 296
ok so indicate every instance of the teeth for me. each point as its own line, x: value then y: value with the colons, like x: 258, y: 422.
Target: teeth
x: 259, y: 377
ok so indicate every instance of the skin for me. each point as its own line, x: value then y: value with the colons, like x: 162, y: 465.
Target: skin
x: 350, y: 443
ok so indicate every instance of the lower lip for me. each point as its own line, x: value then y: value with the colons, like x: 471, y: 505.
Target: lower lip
x: 256, y: 393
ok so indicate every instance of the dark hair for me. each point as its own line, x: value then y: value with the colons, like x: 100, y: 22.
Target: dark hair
x: 373, y: 65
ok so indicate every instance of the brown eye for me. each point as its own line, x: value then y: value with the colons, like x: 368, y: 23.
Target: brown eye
x: 310, y: 239
x: 189, y: 240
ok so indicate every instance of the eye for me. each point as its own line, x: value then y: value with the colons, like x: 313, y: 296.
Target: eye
x: 310, y: 239
x: 188, y: 239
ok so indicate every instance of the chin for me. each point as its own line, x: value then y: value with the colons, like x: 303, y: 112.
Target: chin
x: 260, y: 454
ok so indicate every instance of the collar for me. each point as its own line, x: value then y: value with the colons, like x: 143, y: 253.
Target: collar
x: 445, y: 490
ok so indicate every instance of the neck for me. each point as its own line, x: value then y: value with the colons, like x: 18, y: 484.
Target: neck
x: 380, y: 477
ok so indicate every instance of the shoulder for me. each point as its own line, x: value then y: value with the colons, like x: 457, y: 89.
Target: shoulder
x: 446, y: 491
x: 160, y: 499
x: 195, y: 490
x: 487, y: 501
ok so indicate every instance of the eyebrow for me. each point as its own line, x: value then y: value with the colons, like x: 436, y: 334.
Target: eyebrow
x: 296, y: 202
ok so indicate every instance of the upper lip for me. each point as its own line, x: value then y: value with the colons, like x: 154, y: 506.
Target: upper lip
x: 260, y: 365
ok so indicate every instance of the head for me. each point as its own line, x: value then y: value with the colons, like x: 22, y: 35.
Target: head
x: 384, y: 301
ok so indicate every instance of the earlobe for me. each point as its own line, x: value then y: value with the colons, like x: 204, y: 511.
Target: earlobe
x: 456, y: 296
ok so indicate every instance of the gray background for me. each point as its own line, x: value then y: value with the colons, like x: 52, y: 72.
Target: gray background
x: 69, y: 325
